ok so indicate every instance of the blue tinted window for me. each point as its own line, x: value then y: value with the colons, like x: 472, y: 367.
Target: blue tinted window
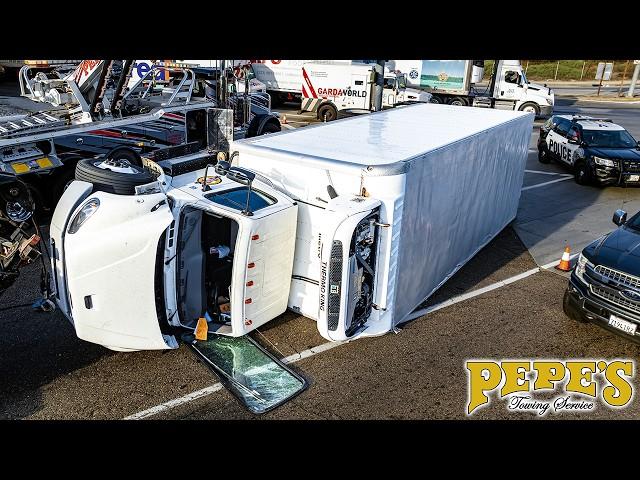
x: 237, y: 199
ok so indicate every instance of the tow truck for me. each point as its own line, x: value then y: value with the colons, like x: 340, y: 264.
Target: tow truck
x: 94, y: 114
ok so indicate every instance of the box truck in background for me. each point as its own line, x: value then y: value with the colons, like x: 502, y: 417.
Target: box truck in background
x: 283, y: 78
x: 453, y: 82
x: 330, y: 88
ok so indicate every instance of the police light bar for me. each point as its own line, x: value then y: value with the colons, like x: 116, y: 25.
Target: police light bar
x: 175, y: 64
x: 578, y: 118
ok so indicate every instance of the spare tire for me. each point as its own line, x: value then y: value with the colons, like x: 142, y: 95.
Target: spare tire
x: 112, y: 176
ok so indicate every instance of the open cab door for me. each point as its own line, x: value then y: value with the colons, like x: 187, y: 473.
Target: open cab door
x: 114, y: 258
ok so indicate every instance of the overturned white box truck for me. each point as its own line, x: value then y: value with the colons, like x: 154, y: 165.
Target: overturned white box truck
x: 353, y: 224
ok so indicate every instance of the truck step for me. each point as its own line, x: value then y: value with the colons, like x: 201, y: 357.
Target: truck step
x: 256, y: 378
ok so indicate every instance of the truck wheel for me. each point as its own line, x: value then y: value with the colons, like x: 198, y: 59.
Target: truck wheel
x: 543, y: 156
x: 125, y: 154
x: 327, y: 112
x: 119, y: 177
x: 459, y: 101
x: 435, y: 99
x: 581, y: 174
x: 270, y: 127
x: 530, y: 107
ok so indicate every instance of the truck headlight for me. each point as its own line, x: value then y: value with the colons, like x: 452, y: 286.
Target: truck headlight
x: 85, y: 213
x: 581, y: 267
x: 604, y: 161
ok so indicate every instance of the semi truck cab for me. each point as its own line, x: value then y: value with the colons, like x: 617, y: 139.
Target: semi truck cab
x: 512, y: 90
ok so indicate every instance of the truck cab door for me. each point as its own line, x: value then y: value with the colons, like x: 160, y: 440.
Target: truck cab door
x: 389, y: 98
x: 269, y: 243
x: 510, y: 86
x: 113, y: 265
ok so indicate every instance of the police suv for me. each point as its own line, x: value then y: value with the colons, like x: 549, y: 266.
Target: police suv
x: 599, y: 151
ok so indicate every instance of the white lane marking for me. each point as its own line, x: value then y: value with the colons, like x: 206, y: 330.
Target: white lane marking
x: 218, y: 386
x: 287, y: 126
x: 176, y: 402
x: 541, y: 172
x: 329, y: 345
x: 547, y: 183
x: 556, y: 262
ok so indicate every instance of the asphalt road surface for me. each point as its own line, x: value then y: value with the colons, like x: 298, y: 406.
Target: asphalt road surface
x: 418, y: 373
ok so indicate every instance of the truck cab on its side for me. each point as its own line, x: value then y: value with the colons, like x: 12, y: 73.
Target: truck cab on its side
x: 193, y: 242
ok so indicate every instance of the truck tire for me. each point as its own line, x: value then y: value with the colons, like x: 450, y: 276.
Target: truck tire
x: 530, y: 107
x: 459, y: 101
x: 121, y: 178
x: 582, y: 174
x: 435, y: 99
x: 543, y: 156
x: 327, y: 112
x: 261, y: 124
x: 125, y: 154
x: 270, y: 127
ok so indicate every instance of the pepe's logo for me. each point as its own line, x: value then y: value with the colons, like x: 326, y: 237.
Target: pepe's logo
x: 576, y: 384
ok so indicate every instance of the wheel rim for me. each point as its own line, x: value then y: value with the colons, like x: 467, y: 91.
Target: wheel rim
x: 529, y: 109
x: 120, y: 165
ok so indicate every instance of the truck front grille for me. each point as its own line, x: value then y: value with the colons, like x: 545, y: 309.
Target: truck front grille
x: 615, y: 299
x: 335, y: 285
x: 618, y: 277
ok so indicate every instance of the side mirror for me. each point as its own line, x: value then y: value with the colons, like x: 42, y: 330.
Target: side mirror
x: 574, y: 140
x: 619, y: 217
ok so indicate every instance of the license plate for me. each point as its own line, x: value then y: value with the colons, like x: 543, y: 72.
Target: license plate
x: 634, y: 178
x: 623, y: 325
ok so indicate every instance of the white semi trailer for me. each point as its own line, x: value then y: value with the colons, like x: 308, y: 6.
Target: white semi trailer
x: 455, y: 82
x: 352, y: 223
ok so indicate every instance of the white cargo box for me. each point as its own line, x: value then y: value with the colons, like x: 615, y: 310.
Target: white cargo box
x: 448, y: 179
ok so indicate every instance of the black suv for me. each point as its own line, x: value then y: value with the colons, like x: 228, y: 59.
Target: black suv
x: 605, y: 284
x: 599, y: 151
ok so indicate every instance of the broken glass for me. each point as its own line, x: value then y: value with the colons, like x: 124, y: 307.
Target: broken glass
x: 254, y: 376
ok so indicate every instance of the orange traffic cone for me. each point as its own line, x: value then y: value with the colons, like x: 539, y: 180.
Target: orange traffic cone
x: 564, y: 264
x: 201, y: 329
x: 283, y: 121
